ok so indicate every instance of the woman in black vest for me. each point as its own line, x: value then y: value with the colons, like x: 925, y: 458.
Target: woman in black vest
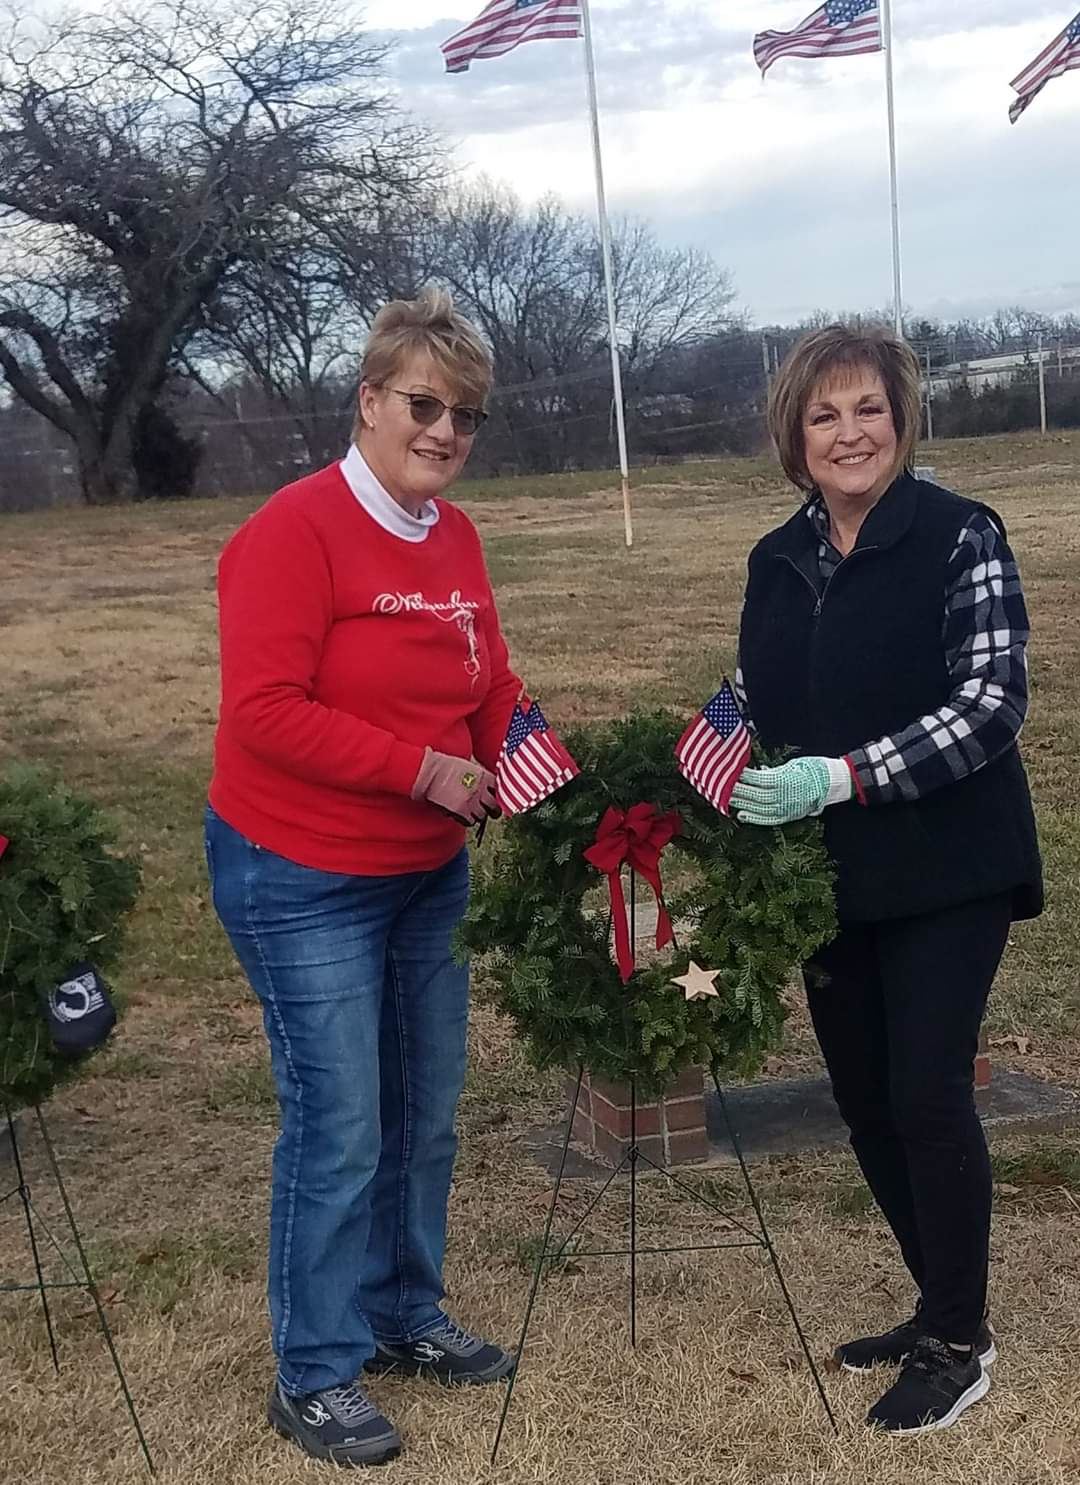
x: 882, y: 641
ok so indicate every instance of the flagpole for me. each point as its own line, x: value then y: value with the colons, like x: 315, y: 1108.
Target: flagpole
x: 887, y: 43
x: 609, y: 286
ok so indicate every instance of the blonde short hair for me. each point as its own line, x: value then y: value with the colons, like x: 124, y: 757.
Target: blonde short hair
x: 836, y: 352
x: 429, y: 325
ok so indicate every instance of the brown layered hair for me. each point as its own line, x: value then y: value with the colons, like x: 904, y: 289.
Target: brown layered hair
x: 836, y: 354
x: 429, y: 325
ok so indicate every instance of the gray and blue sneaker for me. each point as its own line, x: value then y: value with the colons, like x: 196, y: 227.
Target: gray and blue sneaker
x: 449, y: 1354
x: 339, y: 1424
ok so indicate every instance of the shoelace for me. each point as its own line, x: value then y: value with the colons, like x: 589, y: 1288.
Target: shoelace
x: 350, y: 1404
x: 931, y: 1355
x: 455, y: 1335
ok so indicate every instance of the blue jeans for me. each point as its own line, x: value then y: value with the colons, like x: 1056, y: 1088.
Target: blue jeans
x: 366, y: 1013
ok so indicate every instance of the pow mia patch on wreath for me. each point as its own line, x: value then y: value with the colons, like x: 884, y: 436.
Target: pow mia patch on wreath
x: 80, y: 1012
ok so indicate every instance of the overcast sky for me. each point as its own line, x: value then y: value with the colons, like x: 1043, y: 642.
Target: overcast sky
x: 786, y: 181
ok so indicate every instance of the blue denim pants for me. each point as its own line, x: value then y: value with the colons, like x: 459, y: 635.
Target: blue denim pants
x: 366, y: 1014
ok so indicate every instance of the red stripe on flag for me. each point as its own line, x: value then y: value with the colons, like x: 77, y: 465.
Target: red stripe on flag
x: 502, y: 26
x: 1060, y: 56
x: 715, y: 748
x: 815, y: 37
x: 530, y: 767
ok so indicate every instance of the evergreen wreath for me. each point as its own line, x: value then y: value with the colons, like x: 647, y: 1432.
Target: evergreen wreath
x: 759, y: 902
x: 64, y: 894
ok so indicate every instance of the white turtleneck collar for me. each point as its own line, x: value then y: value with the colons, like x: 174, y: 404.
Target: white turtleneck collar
x: 381, y: 506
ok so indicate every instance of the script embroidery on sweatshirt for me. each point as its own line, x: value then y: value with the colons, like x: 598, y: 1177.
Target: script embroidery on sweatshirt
x: 456, y: 610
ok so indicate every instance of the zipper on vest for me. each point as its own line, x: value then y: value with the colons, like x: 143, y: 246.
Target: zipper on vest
x: 819, y: 597
x: 796, y: 568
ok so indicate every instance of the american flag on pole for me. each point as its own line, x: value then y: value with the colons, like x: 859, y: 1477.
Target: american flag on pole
x: 532, y: 764
x: 1059, y: 57
x: 839, y: 28
x: 504, y: 24
x: 715, y: 748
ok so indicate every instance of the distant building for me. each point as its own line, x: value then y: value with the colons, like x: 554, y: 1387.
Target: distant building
x: 1002, y: 371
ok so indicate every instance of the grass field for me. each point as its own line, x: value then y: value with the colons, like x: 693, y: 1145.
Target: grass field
x: 109, y: 675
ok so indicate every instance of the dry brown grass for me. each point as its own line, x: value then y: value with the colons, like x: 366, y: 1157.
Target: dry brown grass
x: 106, y: 631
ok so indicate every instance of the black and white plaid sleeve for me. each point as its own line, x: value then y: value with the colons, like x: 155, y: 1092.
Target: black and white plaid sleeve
x: 738, y: 685
x: 986, y: 632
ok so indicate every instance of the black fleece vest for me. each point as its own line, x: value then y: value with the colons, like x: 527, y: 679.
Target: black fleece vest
x: 828, y: 670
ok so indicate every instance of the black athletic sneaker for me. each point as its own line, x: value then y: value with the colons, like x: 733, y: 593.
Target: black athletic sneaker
x: 339, y: 1424
x: 891, y: 1348
x: 448, y: 1354
x: 934, y: 1387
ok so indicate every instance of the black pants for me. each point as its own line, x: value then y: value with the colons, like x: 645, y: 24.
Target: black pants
x: 897, y: 1008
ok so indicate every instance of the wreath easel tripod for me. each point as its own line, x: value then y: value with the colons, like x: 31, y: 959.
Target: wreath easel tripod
x: 630, y: 1166
x: 759, y: 904
x: 79, y: 1274
x: 65, y: 892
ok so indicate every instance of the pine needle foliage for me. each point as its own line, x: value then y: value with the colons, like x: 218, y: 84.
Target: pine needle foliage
x: 759, y: 902
x: 64, y: 895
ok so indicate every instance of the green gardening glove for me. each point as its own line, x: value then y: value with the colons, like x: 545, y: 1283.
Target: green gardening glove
x: 776, y: 796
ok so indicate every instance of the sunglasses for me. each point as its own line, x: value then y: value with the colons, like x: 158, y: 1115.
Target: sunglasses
x: 427, y: 410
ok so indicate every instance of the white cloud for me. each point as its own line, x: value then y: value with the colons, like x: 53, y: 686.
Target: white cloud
x: 785, y: 182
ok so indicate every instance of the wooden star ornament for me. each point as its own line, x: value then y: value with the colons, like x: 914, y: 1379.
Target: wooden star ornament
x: 697, y: 983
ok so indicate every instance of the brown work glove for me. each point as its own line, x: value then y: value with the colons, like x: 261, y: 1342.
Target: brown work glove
x: 460, y: 787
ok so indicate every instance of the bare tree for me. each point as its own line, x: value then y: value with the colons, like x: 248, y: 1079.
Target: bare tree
x: 292, y: 319
x: 667, y: 298
x: 149, y: 157
x: 290, y: 327
x: 533, y: 280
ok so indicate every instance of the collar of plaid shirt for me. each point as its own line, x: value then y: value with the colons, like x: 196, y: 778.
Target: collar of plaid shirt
x: 886, y: 522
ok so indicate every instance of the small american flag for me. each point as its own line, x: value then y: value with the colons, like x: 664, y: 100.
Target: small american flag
x: 504, y: 24
x: 839, y: 28
x: 1059, y: 57
x: 532, y: 764
x: 715, y: 748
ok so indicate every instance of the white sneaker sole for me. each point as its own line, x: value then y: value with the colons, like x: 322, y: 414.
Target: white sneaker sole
x: 976, y: 1391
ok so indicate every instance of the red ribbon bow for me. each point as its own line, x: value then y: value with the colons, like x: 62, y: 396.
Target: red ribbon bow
x: 636, y: 836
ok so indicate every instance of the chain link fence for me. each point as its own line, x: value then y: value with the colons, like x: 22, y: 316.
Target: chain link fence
x: 249, y: 447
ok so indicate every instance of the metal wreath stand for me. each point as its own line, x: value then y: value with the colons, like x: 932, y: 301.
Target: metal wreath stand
x: 81, y: 1277
x: 629, y: 1165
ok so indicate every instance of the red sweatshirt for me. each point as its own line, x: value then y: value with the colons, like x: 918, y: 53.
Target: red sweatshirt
x: 345, y: 651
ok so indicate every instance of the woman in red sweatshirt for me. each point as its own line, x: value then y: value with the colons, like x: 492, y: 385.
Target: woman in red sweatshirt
x: 365, y: 693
